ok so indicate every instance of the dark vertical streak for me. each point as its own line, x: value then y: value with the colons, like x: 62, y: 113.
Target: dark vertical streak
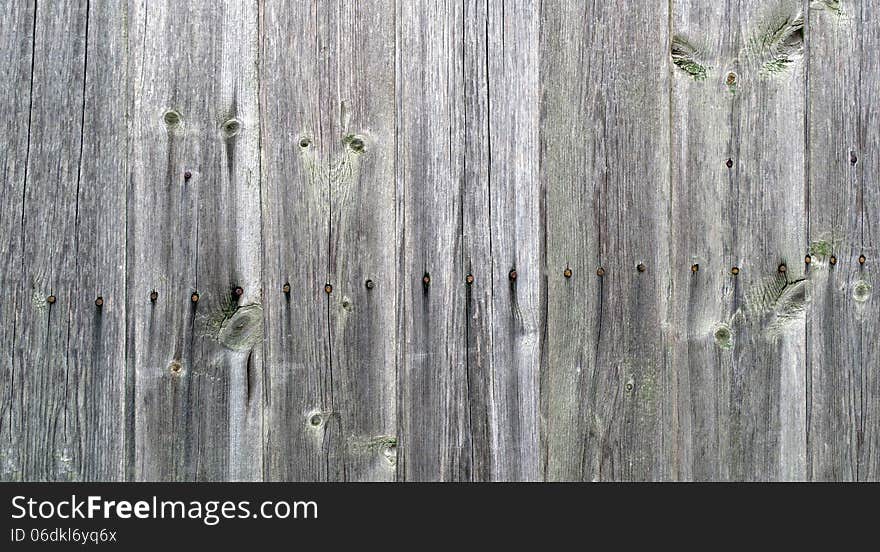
x: 82, y: 128
x: 808, y: 372
x: 264, y: 475
x: 489, y: 152
x: 27, y: 154
x: 465, y: 259
x: 400, y: 253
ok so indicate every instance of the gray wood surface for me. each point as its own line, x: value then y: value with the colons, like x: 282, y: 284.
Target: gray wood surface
x: 479, y: 241
x: 843, y: 411
x: 738, y: 341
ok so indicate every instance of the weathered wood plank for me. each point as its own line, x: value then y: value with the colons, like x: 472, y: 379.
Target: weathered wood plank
x: 16, y: 57
x: 604, y: 165
x: 842, y: 357
x: 738, y: 201
x: 45, y: 399
x: 303, y: 436
x: 476, y: 238
x: 363, y: 306
x: 516, y: 243
x: 96, y: 374
x: 194, y: 237
x: 433, y: 405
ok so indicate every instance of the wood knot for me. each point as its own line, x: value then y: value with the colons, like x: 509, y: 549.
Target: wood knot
x: 862, y: 259
x: 305, y: 142
x: 175, y: 367
x: 172, y: 119
x: 832, y: 260
x: 231, y: 127
x: 316, y: 419
x: 512, y: 275
x: 50, y: 299
x: 731, y: 79
x: 567, y: 272
x: 808, y: 259
x: 600, y: 272
x: 729, y: 163
x: 629, y: 386
x: 426, y: 280
x: 723, y: 336
x: 153, y: 296
x: 641, y: 267
x: 355, y: 143
x: 782, y: 268
x: 734, y: 270
x: 242, y: 330
x: 285, y: 289
x: 194, y: 297
x: 469, y: 279
x: 328, y: 288
x: 695, y: 268
x: 187, y: 175
x: 861, y: 291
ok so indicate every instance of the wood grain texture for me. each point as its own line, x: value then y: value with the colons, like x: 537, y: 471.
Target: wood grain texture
x: 439, y: 241
x: 604, y: 165
x: 195, y: 233
x: 360, y: 134
x: 842, y: 355
x: 303, y: 435
x: 433, y: 387
x: 738, y: 340
x: 47, y: 387
x: 15, y: 94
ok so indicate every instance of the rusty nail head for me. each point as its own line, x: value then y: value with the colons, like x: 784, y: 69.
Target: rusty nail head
x: 734, y: 270
x: 469, y: 278
x: 832, y: 260
x: 328, y: 289
x: 695, y: 267
x: 600, y: 271
x: 370, y: 284
x: 426, y: 279
x: 567, y: 273
x: 285, y: 288
x: 862, y: 259
x: 194, y: 297
x: 512, y: 275
x: 99, y: 301
x: 50, y: 299
x: 641, y: 267
x: 154, y: 295
x: 808, y: 259
x: 782, y: 268
x: 729, y: 163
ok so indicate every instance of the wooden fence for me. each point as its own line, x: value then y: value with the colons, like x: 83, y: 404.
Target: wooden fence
x: 436, y: 240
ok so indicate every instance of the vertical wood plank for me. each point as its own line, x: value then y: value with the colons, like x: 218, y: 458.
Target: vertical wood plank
x: 739, y: 343
x: 363, y: 263
x: 303, y: 432
x: 844, y: 75
x: 96, y: 368
x: 476, y: 235
x: 194, y: 237
x: 16, y: 57
x: 44, y: 398
x: 516, y: 242
x: 435, y: 440
x: 604, y: 163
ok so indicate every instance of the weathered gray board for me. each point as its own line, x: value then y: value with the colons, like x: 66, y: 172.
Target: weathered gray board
x: 394, y: 240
